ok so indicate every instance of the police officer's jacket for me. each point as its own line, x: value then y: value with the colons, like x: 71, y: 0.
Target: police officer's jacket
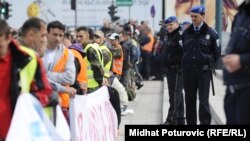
x: 172, y: 50
x: 200, y: 47
x: 240, y: 44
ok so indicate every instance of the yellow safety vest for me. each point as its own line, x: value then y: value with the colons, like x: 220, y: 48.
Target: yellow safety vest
x: 92, y: 83
x: 28, y: 72
x: 27, y: 75
x: 107, y: 67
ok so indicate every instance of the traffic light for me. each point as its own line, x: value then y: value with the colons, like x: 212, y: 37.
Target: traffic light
x: 73, y: 4
x: 5, y: 9
x: 112, y: 12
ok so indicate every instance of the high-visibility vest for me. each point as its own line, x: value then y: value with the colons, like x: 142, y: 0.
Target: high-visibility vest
x: 118, y: 64
x: 92, y: 83
x: 28, y: 72
x: 60, y: 67
x: 107, y: 66
x: 149, y: 46
x: 82, y: 75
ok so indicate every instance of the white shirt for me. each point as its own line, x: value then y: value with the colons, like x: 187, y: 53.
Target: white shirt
x: 199, y: 27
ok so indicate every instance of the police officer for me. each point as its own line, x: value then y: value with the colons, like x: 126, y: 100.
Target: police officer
x: 237, y: 69
x: 200, y: 49
x: 172, y: 58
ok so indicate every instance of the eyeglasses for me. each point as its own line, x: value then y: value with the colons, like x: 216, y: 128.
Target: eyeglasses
x: 194, y: 16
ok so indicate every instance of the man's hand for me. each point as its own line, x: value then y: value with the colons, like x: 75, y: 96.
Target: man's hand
x: 84, y: 91
x: 232, y: 62
x: 130, y: 64
x: 72, y: 92
x: 105, y: 82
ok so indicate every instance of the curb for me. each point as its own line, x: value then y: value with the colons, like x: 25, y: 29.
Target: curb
x: 219, y: 74
x: 214, y: 114
x: 165, y: 102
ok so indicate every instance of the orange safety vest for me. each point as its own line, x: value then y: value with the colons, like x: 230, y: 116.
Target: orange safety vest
x: 82, y: 77
x: 59, y: 67
x: 118, y: 64
x: 149, y: 46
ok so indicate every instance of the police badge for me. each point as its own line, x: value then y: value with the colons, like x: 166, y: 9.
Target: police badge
x: 207, y: 37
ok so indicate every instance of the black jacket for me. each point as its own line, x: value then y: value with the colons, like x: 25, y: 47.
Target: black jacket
x: 200, y: 47
x: 129, y: 54
x: 239, y: 44
x: 172, y: 50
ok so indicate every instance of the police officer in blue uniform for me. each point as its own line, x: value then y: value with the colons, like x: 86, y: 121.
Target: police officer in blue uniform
x: 237, y: 69
x: 200, y: 49
x: 172, y: 60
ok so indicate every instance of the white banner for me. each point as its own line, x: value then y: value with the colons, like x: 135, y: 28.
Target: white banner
x: 30, y: 122
x: 94, y: 117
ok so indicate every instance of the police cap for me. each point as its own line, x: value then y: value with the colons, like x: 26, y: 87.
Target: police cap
x: 198, y: 9
x: 171, y: 19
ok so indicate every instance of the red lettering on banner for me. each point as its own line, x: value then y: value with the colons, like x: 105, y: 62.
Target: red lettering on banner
x: 80, y: 126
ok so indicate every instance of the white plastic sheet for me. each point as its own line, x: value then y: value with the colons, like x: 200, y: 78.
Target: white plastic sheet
x: 30, y: 122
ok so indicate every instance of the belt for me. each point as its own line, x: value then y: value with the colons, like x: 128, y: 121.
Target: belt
x: 203, y: 67
x: 237, y: 87
x: 173, y: 66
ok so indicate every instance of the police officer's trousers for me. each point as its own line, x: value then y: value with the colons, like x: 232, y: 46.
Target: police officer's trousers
x: 175, y: 87
x: 196, y: 78
x: 237, y: 106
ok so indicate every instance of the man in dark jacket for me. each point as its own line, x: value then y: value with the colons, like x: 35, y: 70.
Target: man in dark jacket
x: 129, y: 60
x: 94, y: 58
x: 200, y: 49
x: 172, y: 58
x: 237, y: 69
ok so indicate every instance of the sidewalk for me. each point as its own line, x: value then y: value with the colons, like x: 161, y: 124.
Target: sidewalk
x: 152, y: 103
x: 216, y: 102
x: 147, y: 107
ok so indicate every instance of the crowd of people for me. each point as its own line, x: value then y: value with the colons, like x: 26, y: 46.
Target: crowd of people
x: 55, y: 64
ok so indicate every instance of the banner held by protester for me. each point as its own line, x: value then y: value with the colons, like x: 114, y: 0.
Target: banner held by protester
x: 94, y: 117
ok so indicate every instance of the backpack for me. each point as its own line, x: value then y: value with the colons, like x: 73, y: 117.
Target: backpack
x: 115, y: 102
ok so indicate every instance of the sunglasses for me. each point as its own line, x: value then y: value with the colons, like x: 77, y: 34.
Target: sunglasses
x: 194, y: 16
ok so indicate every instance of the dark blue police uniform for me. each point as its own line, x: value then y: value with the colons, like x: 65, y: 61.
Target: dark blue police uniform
x: 172, y: 62
x: 237, y: 100
x: 200, y: 48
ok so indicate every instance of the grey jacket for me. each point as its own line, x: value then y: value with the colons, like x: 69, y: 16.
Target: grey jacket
x: 59, y: 79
